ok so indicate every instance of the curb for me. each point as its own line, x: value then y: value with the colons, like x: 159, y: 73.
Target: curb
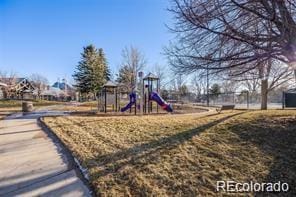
x: 72, y: 162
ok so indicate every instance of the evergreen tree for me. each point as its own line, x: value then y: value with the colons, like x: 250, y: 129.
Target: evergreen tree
x: 108, y: 73
x: 92, y: 71
x: 215, y: 90
x: 98, y: 71
x: 83, y: 73
x: 104, y: 65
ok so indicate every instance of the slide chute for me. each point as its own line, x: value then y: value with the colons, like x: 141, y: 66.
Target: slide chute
x: 133, y: 98
x: 154, y: 96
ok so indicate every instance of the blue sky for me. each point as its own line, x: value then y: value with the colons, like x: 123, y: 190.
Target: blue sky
x: 47, y: 36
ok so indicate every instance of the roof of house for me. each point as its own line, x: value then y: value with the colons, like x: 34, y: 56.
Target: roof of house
x: 11, y: 79
x: 62, y: 85
x: 18, y: 80
x: 23, y: 85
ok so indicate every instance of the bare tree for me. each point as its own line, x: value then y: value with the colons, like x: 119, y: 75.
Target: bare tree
x: 172, y: 84
x: 133, y: 61
x: 228, y: 86
x: 250, y: 82
x: 198, y: 83
x: 161, y: 73
x: 10, y: 80
x: 8, y: 77
x: 229, y: 34
x: 40, y: 82
x: 268, y: 77
x: 180, y: 80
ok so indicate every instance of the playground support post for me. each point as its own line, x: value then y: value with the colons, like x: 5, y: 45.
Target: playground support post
x: 116, y: 105
x: 118, y: 102
x: 150, y: 91
x: 148, y: 99
x: 145, y: 103
x: 140, y: 74
x: 283, y: 101
x: 157, y: 88
x: 136, y: 106
x: 208, y: 96
x: 248, y: 101
x: 105, y: 91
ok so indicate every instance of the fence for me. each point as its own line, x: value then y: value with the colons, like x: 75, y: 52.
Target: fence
x: 242, y: 100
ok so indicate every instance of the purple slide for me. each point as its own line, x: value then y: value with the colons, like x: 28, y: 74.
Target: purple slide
x: 154, y: 96
x: 133, y: 98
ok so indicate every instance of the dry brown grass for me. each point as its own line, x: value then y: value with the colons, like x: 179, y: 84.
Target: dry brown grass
x: 181, y: 155
x: 93, y: 107
x: 18, y: 103
x: 74, y: 108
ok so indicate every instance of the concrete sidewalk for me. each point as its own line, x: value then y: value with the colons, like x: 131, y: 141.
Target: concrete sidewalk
x: 31, y: 164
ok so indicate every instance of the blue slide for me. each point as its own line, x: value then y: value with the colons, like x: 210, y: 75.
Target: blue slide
x: 133, y: 98
x: 154, y: 96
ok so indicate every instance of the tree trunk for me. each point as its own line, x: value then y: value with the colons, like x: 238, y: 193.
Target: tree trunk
x: 295, y: 75
x: 95, y: 95
x: 264, y: 93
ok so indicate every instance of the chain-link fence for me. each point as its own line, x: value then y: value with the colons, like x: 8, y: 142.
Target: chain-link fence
x: 241, y: 100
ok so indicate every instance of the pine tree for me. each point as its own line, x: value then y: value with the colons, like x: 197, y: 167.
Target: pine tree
x: 104, y: 64
x: 92, y: 71
x: 107, y: 73
x: 101, y: 72
x: 215, y: 90
x: 83, y: 73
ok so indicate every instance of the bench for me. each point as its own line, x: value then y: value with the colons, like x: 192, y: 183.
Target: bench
x: 225, y: 107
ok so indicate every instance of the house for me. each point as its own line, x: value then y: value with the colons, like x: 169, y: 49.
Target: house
x: 2, y: 90
x: 62, y: 85
x: 58, y: 91
x: 51, y: 93
x: 16, y: 88
x: 22, y: 88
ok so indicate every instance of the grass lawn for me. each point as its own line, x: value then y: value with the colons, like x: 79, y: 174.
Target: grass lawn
x: 18, y: 103
x: 92, y: 106
x: 182, y: 155
x: 10, y: 106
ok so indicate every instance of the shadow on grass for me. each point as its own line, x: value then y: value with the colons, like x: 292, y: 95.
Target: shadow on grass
x: 275, y: 137
x: 113, y: 162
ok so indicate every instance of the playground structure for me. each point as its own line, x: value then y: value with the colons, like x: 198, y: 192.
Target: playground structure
x: 141, y: 99
x: 150, y: 93
x: 146, y: 99
x: 109, y: 95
